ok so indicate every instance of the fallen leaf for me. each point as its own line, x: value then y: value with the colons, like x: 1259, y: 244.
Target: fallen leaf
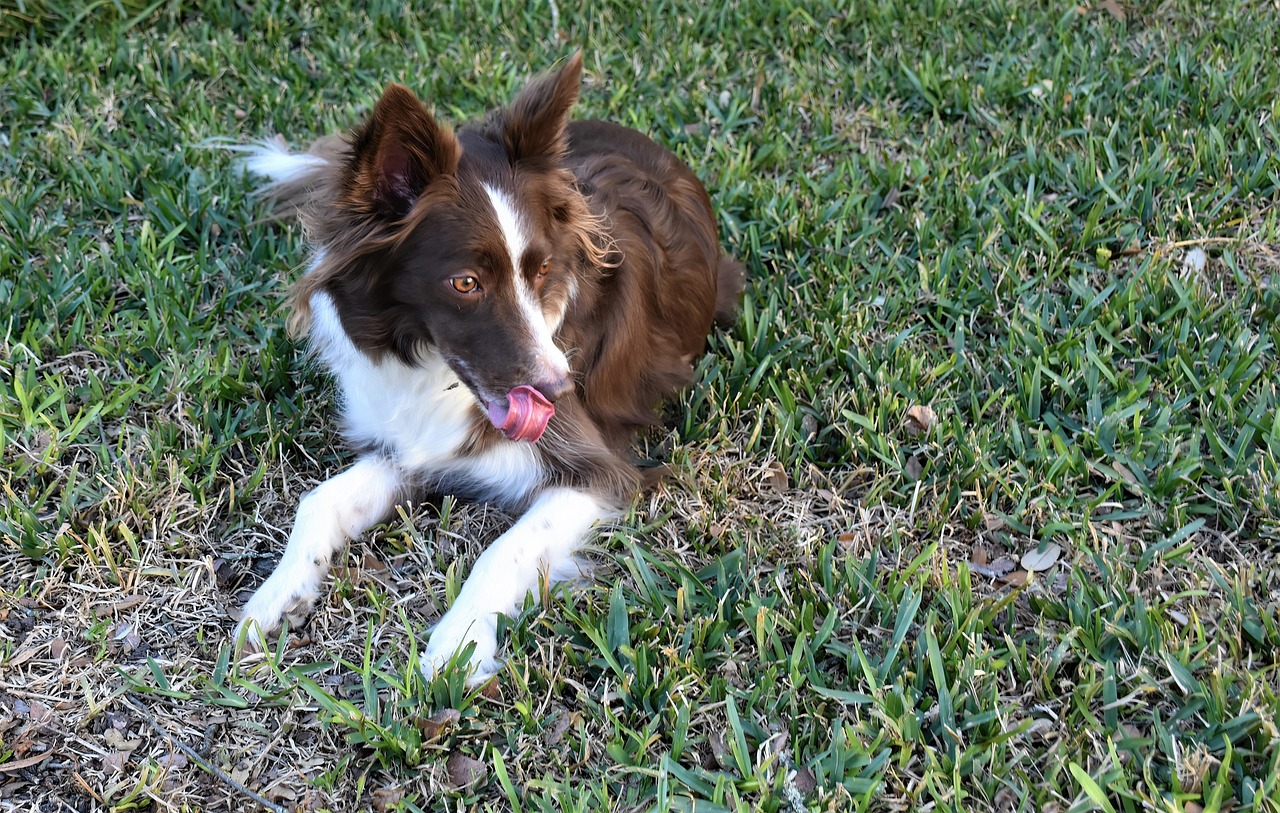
x: 39, y: 711
x: 1017, y: 578
x: 994, y: 570
x: 115, y: 761
x: 439, y: 724
x: 980, y: 555
x: 385, y: 798
x: 116, y: 740
x: 1113, y: 8
x: 491, y: 690
x: 20, y: 764
x: 805, y: 781
x: 914, y: 468
x: 994, y: 522
x: 720, y: 750
x: 57, y: 648
x: 778, y: 479
x: 846, y: 540
x: 174, y: 761
x: 22, y: 656
x: 920, y: 419
x: 464, y: 771
x: 557, y: 731
x: 1041, y: 558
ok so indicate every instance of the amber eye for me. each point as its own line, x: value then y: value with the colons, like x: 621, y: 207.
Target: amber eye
x: 465, y: 285
x: 545, y: 267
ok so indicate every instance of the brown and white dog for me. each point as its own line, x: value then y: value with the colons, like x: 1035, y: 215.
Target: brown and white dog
x: 502, y: 307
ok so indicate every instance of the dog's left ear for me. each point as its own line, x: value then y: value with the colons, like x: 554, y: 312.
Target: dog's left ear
x: 535, y: 122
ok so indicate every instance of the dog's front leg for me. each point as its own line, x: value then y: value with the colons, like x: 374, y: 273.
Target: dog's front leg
x: 338, y: 509
x: 543, y: 541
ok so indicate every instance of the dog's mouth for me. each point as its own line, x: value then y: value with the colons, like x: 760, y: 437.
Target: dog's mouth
x: 524, y: 416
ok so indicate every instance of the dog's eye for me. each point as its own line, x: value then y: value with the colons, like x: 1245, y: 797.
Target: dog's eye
x: 545, y: 267
x: 465, y: 285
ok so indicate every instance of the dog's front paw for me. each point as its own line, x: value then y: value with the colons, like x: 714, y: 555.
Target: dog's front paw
x: 452, y: 634
x: 269, y: 606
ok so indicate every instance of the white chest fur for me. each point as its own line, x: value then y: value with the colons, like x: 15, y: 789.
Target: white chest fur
x: 420, y: 416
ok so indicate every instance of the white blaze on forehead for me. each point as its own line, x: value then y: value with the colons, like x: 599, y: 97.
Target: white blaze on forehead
x: 514, y: 235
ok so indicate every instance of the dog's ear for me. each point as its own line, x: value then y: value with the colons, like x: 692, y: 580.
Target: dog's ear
x: 398, y: 151
x: 535, y: 122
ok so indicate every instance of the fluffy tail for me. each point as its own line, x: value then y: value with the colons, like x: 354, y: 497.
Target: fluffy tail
x: 731, y: 278
x: 293, y: 179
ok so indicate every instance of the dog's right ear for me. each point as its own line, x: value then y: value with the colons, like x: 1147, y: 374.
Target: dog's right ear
x: 398, y: 151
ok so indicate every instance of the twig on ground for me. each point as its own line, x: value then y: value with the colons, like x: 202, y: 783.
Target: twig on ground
x: 209, y: 767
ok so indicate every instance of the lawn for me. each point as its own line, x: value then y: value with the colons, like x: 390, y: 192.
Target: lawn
x: 977, y: 507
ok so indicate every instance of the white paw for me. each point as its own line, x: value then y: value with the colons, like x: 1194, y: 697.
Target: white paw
x: 452, y: 634
x: 273, y: 602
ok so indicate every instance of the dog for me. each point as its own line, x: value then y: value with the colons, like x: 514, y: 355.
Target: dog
x: 502, y: 307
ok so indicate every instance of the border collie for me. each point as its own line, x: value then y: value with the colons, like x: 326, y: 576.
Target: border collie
x: 502, y: 307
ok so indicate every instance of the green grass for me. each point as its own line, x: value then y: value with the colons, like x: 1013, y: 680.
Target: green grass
x: 981, y: 207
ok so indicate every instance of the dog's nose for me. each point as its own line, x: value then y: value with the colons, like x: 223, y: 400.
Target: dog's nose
x: 555, y: 386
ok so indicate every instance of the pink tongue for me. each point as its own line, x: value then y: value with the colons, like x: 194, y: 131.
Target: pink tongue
x: 524, y: 416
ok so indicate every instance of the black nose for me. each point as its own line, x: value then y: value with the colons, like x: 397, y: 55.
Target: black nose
x: 555, y: 388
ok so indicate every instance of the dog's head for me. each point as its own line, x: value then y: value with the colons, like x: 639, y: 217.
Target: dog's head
x: 468, y: 245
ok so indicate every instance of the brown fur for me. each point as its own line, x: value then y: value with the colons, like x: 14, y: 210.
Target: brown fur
x: 639, y: 272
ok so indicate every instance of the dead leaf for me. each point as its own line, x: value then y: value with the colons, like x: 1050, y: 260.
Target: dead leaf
x: 1041, y: 559
x: 439, y: 724
x: 994, y: 522
x: 174, y: 761
x: 491, y: 690
x: 464, y: 771
x: 557, y: 731
x: 994, y: 570
x: 1006, y: 799
x: 385, y: 798
x: 1017, y: 578
x: 720, y: 750
x: 22, y: 656
x: 39, y: 711
x: 115, y: 761
x: 778, y: 479
x: 805, y: 781
x: 57, y: 648
x: 914, y: 468
x: 980, y: 555
x: 116, y: 740
x: 1113, y: 8
x: 20, y: 764
x: 920, y: 419
x: 1125, y: 474
x: 225, y: 573
x: 846, y: 540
